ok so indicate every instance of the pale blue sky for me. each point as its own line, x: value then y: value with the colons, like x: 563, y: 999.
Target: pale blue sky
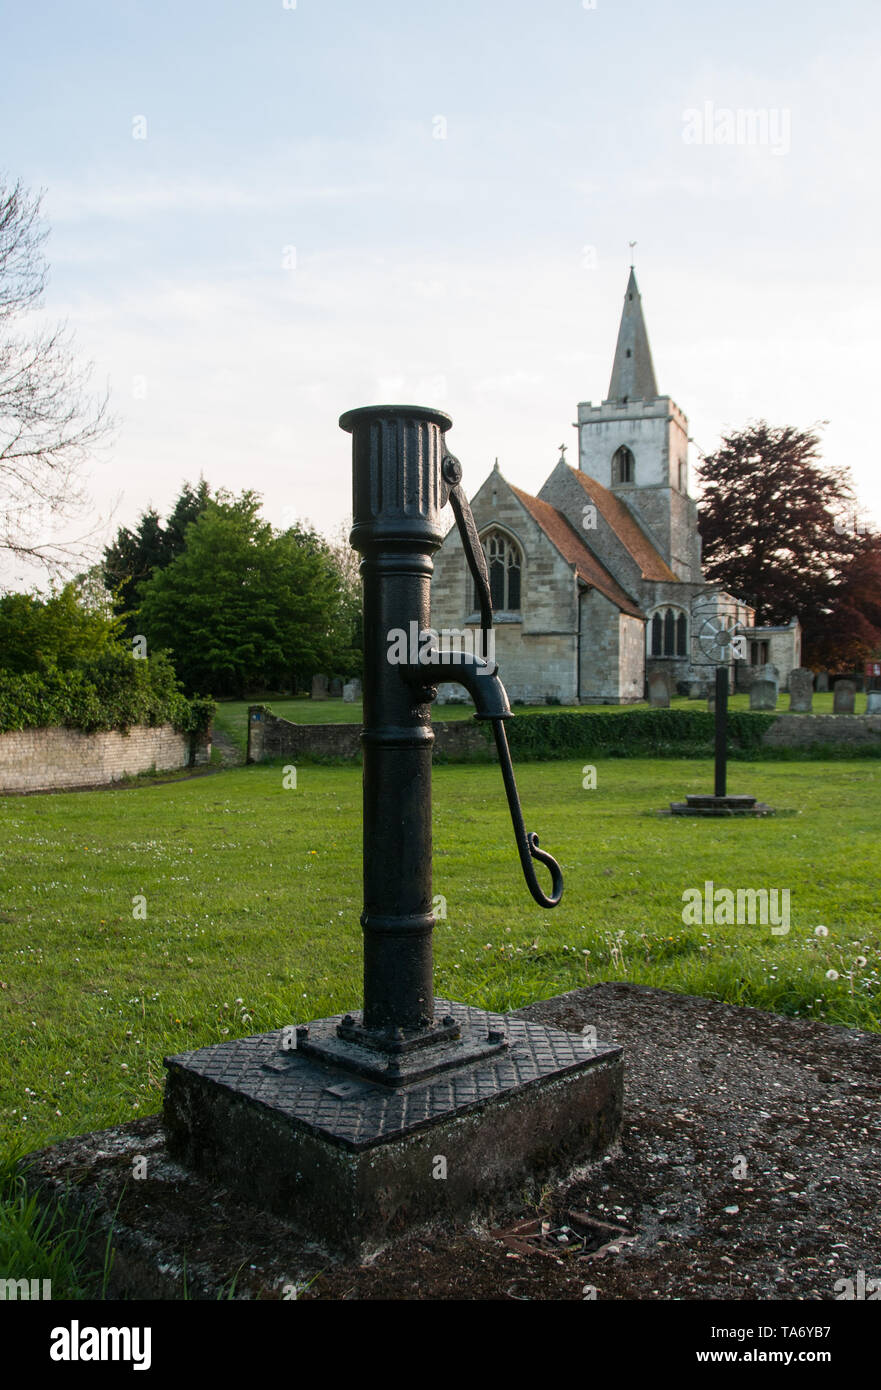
x: 482, y: 272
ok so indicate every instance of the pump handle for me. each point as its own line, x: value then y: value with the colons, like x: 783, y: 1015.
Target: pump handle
x: 451, y: 471
x: 527, y: 841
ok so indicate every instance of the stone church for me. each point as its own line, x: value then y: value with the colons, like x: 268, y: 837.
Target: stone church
x: 597, y: 581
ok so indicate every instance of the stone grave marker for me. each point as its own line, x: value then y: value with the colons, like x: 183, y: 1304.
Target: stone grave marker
x: 844, y: 697
x: 336, y: 689
x: 873, y: 702
x: 801, y: 690
x: 352, y: 692
x: 763, y: 695
x: 319, y: 688
x: 822, y: 682
x: 659, y: 690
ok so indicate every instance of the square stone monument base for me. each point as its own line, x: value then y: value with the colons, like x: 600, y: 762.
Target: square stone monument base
x: 354, y: 1162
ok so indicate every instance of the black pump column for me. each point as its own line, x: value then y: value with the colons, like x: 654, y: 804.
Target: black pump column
x: 397, y: 499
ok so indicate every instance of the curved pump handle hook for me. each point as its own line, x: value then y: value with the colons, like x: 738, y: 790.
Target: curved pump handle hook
x: 527, y: 841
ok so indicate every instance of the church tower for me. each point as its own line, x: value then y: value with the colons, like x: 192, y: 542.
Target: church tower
x: 636, y: 444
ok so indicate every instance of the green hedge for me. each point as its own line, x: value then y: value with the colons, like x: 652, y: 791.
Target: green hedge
x: 632, y: 733
x: 116, y: 691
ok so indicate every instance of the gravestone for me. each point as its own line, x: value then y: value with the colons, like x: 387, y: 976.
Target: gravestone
x: 319, y: 688
x: 873, y: 702
x: 336, y: 689
x: 695, y: 690
x: 844, y: 697
x: 801, y: 690
x: 659, y: 690
x: 763, y: 695
x: 769, y: 672
x: 352, y: 691
x: 822, y: 682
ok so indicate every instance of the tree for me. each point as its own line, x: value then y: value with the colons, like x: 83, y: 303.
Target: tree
x: 132, y: 558
x: 243, y: 606
x: 189, y: 507
x: 348, y: 562
x: 61, y: 632
x: 771, y: 524
x: 849, y: 632
x: 49, y: 424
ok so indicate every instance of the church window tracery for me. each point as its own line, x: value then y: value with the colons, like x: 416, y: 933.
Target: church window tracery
x: 505, y: 564
x: 669, y: 633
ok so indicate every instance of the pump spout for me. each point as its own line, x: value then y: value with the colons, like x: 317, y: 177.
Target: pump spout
x: 479, y: 677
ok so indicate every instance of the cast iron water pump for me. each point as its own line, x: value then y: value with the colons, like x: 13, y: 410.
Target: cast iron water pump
x: 333, y: 1123
x: 402, y: 478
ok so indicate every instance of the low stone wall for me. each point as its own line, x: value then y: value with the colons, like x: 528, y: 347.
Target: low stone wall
x: 804, y: 730
x: 37, y: 760
x: 271, y: 737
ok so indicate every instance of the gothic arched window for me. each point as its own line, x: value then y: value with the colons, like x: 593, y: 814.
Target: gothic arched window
x: 623, y: 466
x: 669, y: 633
x: 505, y: 564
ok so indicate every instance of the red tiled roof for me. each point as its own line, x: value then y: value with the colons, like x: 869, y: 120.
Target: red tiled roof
x: 570, y: 545
x: 626, y: 528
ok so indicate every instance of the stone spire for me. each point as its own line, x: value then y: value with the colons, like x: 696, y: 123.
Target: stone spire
x: 633, y: 376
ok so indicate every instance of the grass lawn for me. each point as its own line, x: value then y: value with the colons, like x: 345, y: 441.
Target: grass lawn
x: 232, y: 715
x: 252, y: 894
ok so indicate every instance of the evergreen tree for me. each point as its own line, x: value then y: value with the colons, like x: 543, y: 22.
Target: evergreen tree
x: 135, y: 555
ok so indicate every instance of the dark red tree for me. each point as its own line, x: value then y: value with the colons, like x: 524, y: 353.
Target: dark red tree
x: 780, y: 531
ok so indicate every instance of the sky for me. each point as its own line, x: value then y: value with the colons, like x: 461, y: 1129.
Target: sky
x: 267, y: 212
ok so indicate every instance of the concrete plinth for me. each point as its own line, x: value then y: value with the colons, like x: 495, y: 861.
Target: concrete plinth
x: 354, y: 1162
x: 720, y: 806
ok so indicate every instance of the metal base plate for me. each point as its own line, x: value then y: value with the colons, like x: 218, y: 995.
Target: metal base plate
x: 311, y: 1088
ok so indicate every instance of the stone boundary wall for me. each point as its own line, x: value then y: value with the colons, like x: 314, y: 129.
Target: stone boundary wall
x: 39, y: 760
x: 271, y: 737
x: 803, y: 730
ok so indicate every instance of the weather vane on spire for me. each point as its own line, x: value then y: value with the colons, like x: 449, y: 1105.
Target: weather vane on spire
x: 631, y: 244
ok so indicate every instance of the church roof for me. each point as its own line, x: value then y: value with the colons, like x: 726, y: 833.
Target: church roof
x: 625, y: 526
x: 563, y: 535
x: 633, y: 375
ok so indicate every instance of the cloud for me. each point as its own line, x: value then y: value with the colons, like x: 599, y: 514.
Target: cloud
x: 130, y: 201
